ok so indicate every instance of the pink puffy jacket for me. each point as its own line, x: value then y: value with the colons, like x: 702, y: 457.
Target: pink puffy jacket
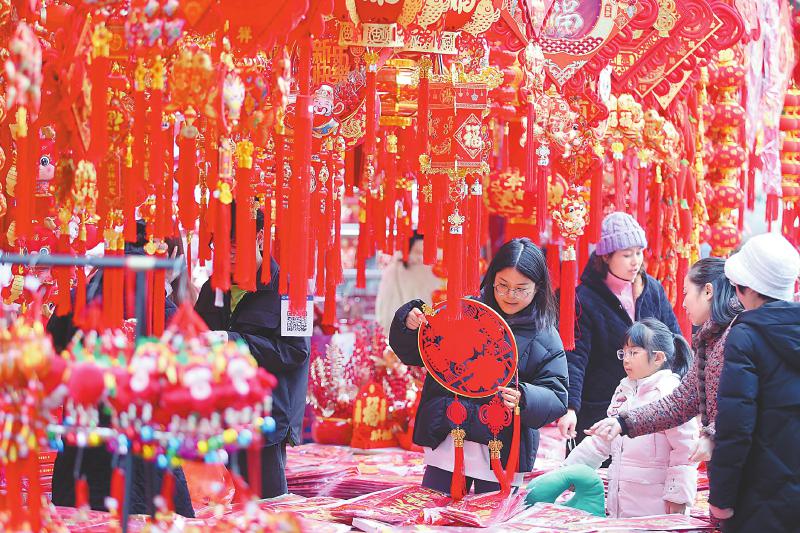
x: 649, y: 470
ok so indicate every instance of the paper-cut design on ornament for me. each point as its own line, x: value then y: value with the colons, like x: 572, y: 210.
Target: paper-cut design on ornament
x: 471, y: 356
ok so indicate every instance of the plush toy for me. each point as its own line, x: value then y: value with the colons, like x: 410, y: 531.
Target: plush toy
x: 589, y: 491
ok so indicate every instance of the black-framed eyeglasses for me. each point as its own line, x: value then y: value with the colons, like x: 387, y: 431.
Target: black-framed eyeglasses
x: 505, y: 290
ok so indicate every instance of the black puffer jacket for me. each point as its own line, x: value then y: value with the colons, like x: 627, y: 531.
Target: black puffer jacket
x: 755, y: 467
x: 543, y: 383
x: 257, y: 321
x: 600, y: 326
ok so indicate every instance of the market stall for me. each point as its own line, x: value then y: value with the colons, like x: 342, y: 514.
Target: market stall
x: 151, y: 150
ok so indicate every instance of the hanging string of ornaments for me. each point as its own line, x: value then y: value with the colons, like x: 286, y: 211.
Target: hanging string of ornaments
x: 441, y: 116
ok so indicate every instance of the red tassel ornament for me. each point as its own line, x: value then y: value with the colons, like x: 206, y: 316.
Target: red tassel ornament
x: 567, y: 303
x: 571, y: 220
x: 457, y: 414
x: 245, y: 272
x: 168, y: 490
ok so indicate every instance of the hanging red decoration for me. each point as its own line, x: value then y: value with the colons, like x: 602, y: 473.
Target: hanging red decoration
x: 571, y: 219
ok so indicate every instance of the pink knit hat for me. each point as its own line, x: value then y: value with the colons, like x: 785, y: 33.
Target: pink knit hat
x: 620, y: 231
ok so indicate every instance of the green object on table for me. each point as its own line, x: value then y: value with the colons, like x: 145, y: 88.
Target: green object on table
x: 589, y: 492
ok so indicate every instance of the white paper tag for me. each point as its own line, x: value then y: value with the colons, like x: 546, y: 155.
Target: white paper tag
x: 297, y: 326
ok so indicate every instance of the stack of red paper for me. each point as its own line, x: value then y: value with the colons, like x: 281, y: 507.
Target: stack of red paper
x: 480, y: 510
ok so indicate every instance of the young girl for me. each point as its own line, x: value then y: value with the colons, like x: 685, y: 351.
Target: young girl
x: 615, y: 292
x: 651, y: 474
x: 517, y: 285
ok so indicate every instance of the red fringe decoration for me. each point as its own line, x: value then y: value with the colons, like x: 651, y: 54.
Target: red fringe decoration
x: 63, y: 277
x: 371, y: 112
x: 245, y: 273
x: 300, y: 190
x: 619, y: 186
x: 427, y: 222
x: 657, y: 210
x: 457, y: 414
x: 361, y: 257
x: 204, y: 237
x: 329, y: 311
x: 81, y: 494
x: 156, y: 160
x: 23, y: 210
x: 567, y: 304
x: 772, y: 209
x: 513, y: 458
x: 755, y: 163
x: 159, y: 300
x: 641, y: 197
x: 79, y: 309
x: 423, y: 106
x: 242, y: 492
x: 118, y: 489
x: 500, y: 474
x: 14, y: 497
x: 168, y: 490
x: 530, y: 152
x: 188, y: 175
x: 34, y: 492
x: 254, y: 466
x: 596, y: 201
x: 455, y: 274
x: 473, y: 244
x: 554, y: 265
x: 98, y: 148
x: 138, y: 151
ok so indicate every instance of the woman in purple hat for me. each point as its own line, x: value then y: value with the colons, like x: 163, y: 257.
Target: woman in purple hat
x: 614, y: 293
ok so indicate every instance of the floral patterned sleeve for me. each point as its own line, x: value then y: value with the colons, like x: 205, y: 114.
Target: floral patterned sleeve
x: 677, y: 408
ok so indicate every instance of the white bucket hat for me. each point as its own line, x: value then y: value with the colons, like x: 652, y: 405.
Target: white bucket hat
x: 768, y: 264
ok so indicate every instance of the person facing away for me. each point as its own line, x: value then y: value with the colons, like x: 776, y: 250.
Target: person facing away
x: 754, y: 471
x: 403, y: 281
x: 651, y: 474
x: 613, y: 294
x: 711, y: 305
x: 255, y: 319
x: 517, y: 286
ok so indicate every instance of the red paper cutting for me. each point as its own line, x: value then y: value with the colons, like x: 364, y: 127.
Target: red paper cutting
x: 472, y: 356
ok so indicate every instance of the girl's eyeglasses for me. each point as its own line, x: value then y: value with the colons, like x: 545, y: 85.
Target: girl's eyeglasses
x: 625, y: 354
x: 504, y: 290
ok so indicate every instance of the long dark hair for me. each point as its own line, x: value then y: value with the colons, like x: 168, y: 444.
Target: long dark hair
x: 654, y: 336
x: 724, y: 305
x: 527, y: 259
x: 411, y: 241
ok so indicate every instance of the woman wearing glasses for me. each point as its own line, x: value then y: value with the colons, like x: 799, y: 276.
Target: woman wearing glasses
x: 614, y: 293
x: 517, y: 286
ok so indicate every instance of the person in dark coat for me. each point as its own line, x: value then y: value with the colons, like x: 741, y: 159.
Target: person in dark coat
x: 255, y: 318
x: 613, y: 294
x: 754, y: 472
x: 517, y: 286
x: 97, y: 462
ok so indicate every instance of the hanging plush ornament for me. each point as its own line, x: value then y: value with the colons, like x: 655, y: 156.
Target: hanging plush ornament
x: 571, y: 220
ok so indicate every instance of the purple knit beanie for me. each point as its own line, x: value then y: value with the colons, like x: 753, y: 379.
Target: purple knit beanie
x: 620, y: 231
